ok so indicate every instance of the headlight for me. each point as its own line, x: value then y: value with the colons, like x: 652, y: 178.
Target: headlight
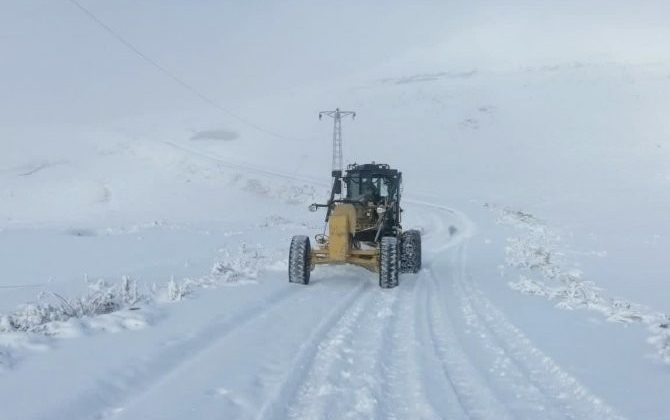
x: 381, y: 210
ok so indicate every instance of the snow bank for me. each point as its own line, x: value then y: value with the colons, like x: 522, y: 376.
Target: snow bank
x: 4, y: 360
x: 538, y: 252
x: 52, y: 310
x: 111, y: 308
x: 241, y: 268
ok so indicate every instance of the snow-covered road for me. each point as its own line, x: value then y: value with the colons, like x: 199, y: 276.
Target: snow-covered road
x: 241, y: 342
x: 435, y: 347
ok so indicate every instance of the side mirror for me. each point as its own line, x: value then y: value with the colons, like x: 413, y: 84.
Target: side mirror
x: 337, y: 186
x: 313, y: 207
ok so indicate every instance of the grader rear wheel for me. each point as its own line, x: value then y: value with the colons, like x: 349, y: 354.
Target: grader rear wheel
x: 389, y: 262
x: 299, y: 260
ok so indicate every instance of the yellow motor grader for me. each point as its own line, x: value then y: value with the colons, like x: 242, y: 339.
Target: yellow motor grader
x: 363, y: 228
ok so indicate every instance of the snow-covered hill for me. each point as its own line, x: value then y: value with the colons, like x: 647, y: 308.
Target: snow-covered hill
x: 148, y: 197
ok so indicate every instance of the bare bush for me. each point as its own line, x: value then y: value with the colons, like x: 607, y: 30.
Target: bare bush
x: 102, y: 298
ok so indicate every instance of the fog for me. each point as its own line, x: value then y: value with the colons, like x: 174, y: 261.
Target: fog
x: 58, y: 66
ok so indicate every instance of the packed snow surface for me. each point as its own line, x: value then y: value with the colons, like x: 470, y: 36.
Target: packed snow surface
x: 157, y: 157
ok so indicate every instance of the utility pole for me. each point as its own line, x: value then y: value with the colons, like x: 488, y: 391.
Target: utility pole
x: 337, y: 133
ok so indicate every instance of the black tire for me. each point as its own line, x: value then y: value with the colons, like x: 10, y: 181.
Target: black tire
x: 299, y: 260
x: 410, y: 251
x: 389, y: 264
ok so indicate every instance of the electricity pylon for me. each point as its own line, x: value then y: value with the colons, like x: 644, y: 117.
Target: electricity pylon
x: 337, y: 134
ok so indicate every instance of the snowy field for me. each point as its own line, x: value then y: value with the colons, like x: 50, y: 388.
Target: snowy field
x: 157, y: 157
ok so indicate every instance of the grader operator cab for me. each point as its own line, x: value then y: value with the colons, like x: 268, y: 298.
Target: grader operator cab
x: 363, y: 228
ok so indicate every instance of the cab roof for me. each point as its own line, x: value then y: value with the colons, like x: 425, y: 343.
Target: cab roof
x: 372, y: 169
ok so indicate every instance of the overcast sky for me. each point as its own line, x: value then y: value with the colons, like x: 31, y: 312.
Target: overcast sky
x: 58, y: 66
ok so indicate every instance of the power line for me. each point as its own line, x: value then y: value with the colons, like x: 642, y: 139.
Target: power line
x: 155, y: 64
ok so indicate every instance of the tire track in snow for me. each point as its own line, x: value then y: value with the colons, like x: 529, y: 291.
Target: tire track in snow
x: 117, y: 389
x: 473, y: 393
x: 325, y: 382
x: 440, y: 391
x: 525, y: 374
x: 505, y: 377
x: 364, y: 378
x: 276, y: 407
x: 543, y: 375
x: 561, y: 389
x: 405, y: 390
x: 451, y: 385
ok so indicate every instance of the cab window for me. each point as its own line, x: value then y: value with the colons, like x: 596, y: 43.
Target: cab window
x: 372, y: 188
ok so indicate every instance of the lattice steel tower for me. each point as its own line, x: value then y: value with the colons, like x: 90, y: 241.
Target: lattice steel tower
x: 337, y: 134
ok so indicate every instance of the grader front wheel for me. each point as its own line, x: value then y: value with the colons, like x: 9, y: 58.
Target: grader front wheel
x: 410, y: 255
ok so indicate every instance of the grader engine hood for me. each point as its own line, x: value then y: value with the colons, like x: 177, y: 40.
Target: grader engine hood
x: 341, y: 228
